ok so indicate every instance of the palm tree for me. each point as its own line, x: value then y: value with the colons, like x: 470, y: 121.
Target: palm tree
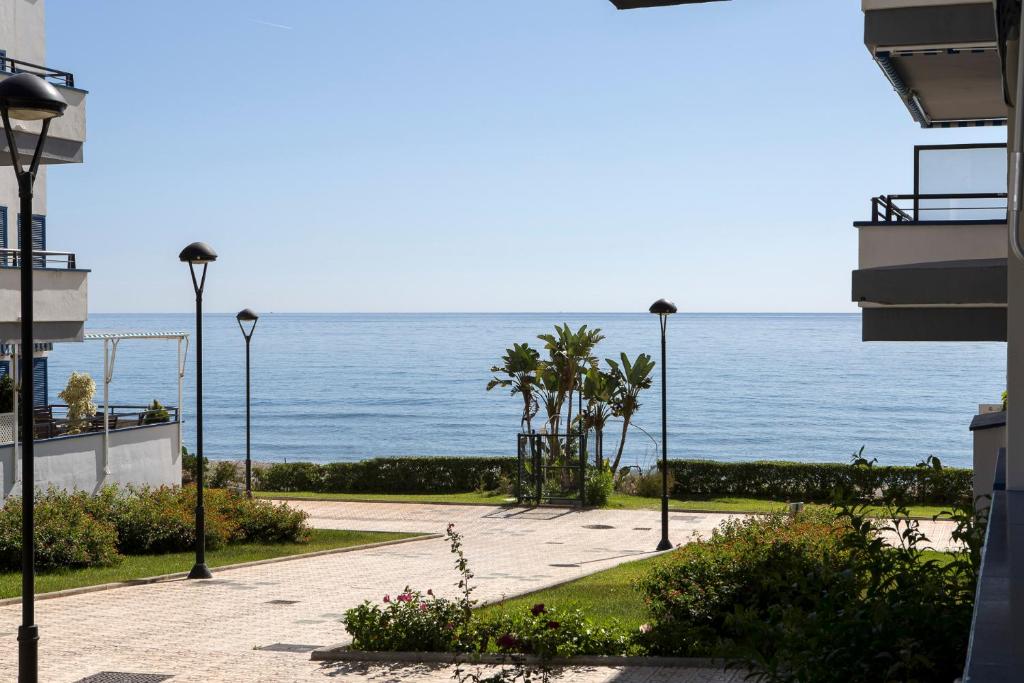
x: 519, y: 367
x: 630, y: 380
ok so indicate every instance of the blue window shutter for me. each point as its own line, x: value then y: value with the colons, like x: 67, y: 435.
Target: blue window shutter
x: 38, y: 238
x: 5, y: 368
x: 40, y: 377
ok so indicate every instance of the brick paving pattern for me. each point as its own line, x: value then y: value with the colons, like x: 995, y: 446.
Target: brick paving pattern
x: 206, y: 631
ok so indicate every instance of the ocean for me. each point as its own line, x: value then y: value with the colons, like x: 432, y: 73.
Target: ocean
x: 330, y: 387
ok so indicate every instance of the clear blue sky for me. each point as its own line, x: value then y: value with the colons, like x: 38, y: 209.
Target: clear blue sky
x: 542, y: 155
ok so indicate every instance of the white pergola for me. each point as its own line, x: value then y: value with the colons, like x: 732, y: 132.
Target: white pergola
x: 110, y: 341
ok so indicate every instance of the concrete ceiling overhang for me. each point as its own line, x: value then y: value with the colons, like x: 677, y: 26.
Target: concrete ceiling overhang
x: 941, y: 58
x: 974, y: 282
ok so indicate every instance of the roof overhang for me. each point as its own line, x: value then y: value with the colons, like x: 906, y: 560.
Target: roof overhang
x: 942, y: 283
x: 941, y: 57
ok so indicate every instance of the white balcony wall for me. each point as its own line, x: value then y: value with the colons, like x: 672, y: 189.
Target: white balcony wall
x: 140, y: 456
x: 66, y: 138
x: 60, y: 295
x: 892, y: 244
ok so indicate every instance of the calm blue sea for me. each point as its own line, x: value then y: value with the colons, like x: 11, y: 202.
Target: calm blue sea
x: 742, y: 386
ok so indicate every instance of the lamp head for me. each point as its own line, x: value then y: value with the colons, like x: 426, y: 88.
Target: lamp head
x: 663, y: 307
x: 27, y: 97
x: 247, y: 315
x: 198, y: 253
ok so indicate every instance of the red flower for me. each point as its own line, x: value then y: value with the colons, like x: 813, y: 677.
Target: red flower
x: 553, y: 625
x: 405, y: 597
x: 537, y: 610
x: 430, y: 592
x: 387, y: 598
x: 423, y: 607
x: 508, y: 642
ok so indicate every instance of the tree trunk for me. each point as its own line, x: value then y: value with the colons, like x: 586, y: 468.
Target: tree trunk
x: 622, y: 442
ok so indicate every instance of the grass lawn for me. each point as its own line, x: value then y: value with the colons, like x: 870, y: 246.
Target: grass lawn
x: 609, y: 596
x: 143, y: 566
x: 618, y: 501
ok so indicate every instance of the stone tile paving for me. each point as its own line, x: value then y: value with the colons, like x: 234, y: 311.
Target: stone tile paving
x: 208, y: 630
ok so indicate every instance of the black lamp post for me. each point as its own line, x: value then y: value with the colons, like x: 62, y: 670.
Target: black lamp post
x: 663, y: 308
x: 199, y: 254
x: 27, y: 97
x: 247, y: 315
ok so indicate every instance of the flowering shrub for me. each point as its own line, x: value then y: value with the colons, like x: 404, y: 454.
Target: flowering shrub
x: 409, y: 622
x: 412, y: 621
x: 549, y: 632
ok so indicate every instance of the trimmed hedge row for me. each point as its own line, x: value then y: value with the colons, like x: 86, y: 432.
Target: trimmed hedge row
x: 817, y: 482
x: 808, y: 482
x: 388, y: 475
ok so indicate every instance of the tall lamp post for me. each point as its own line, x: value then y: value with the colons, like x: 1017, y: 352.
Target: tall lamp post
x: 199, y: 254
x: 27, y: 97
x: 247, y: 315
x: 663, y: 308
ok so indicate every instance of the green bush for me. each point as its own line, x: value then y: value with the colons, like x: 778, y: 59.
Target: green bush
x: 66, y: 535
x: 188, y: 466
x: 804, y: 599
x: 600, y: 484
x: 818, y: 482
x: 156, y: 413
x: 389, y: 475
x: 78, y: 530
x: 747, y: 563
x: 224, y: 474
x: 549, y: 632
x: 410, y: 622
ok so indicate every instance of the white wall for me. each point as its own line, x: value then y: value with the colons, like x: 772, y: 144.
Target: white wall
x: 149, y: 455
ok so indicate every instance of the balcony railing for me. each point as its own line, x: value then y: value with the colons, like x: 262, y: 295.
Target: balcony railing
x: 11, y: 258
x: 16, y: 66
x: 51, y: 421
x: 938, y: 208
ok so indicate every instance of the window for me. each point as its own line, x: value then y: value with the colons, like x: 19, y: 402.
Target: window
x: 3, y: 229
x: 40, y: 381
x: 3, y: 60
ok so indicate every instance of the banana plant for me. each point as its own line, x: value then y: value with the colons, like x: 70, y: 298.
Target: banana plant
x: 570, y: 354
x: 598, y: 390
x: 518, y: 372
x: 630, y: 379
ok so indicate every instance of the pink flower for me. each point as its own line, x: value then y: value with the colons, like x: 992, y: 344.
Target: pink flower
x: 405, y: 597
x: 387, y: 598
x: 537, y: 610
x: 423, y: 607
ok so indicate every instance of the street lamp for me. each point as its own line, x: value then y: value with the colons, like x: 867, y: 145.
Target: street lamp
x: 199, y: 254
x: 663, y: 308
x: 27, y: 97
x: 247, y: 315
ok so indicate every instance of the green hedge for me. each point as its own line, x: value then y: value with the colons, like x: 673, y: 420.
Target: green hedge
x: 388, y: 475
x: 817, y: 482
x: 80, y: 530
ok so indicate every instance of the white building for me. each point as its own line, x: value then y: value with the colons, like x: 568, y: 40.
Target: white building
x: 119, y: 447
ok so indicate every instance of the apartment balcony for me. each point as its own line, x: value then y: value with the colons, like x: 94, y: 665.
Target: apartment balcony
x: 60, y: 297
x: 941, y: 57
x: 932, y: 265
x: 129, y: 448
x: 66, y: 139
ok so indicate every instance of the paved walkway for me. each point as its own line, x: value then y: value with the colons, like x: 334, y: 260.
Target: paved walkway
x: 209, y: 630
